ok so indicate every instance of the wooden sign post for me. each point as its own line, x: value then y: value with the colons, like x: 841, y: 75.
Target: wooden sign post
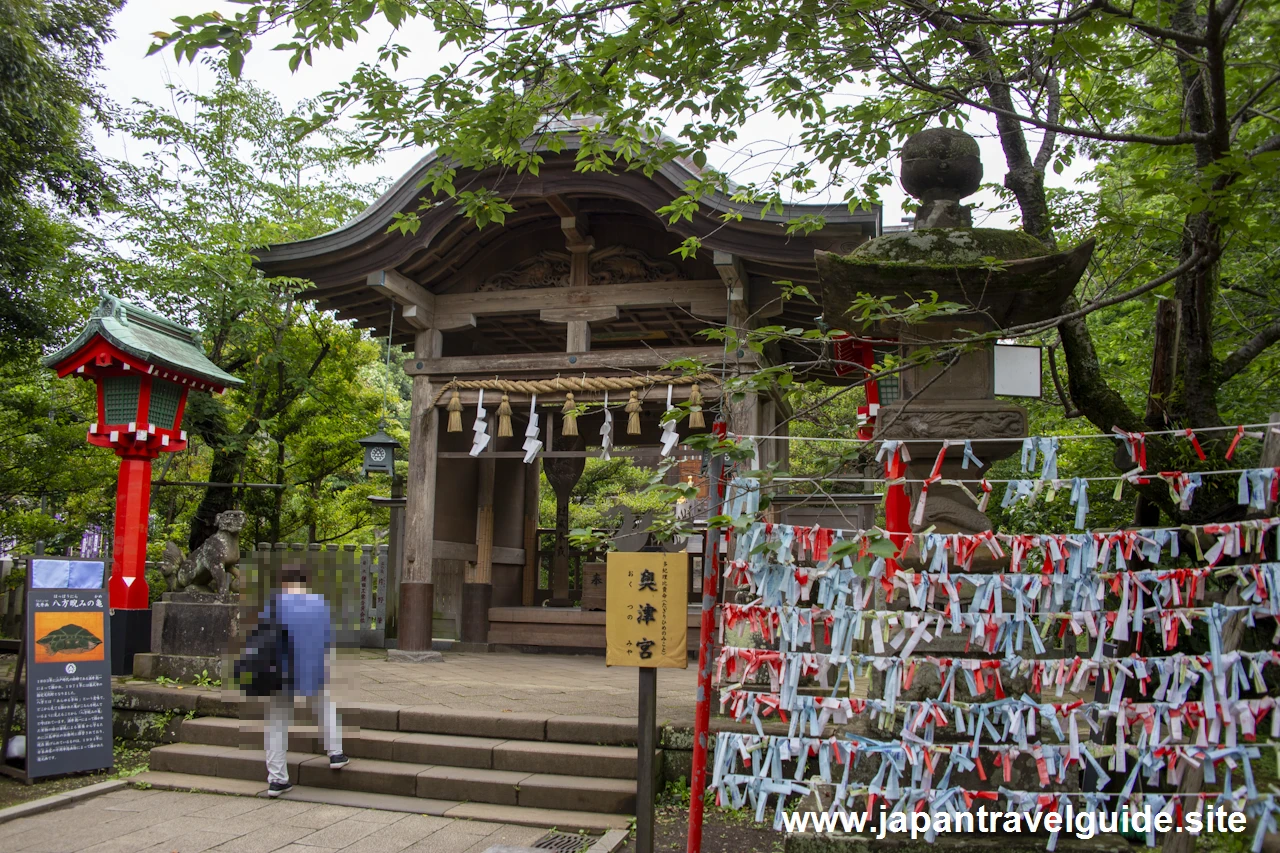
x: 646, y: 626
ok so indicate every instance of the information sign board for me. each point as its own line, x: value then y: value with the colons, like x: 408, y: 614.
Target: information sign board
x: 68, y: 681
x: 646, y: 610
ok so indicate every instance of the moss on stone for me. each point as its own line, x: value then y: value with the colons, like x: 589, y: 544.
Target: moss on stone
x: 676, y: 737
x: 946, y: 247
x: 940, y: 143
x: 144, y: 725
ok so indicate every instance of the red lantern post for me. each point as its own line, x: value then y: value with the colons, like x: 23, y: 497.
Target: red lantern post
x: 143, y: 366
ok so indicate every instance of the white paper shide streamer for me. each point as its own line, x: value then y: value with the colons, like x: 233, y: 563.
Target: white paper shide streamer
x: 481, y: 428
x: 606, y: 430
x: 531, y: 443
x: 670, y: 438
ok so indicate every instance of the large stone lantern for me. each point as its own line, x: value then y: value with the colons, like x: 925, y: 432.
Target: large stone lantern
x: 143, y: 366
x: 1004, y: 278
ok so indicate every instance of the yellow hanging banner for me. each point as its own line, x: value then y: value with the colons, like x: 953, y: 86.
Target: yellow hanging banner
x: 646, y: 610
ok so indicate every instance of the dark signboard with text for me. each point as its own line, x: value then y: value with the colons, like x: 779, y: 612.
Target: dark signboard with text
x: 68, y: 681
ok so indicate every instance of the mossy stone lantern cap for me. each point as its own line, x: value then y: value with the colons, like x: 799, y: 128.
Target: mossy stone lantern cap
x: 379, y: 453
x: 1005, y: 276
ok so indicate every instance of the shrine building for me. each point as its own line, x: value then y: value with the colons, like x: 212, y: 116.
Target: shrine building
x: 580, y: 283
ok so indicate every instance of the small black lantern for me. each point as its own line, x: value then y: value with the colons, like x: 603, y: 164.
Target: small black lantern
x: 379, y: 453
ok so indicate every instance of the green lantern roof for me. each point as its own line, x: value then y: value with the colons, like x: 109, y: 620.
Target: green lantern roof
x: 379, y: 438
x: 146, y: 335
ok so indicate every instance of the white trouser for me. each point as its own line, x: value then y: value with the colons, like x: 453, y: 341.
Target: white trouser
x: 276, y: 730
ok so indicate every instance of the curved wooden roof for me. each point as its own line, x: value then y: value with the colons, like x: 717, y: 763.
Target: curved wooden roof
x: 449, y: 254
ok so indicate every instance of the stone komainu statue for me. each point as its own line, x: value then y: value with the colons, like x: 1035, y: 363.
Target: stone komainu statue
x: 212, y: 566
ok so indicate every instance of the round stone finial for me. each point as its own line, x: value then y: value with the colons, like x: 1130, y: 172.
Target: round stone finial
x: 941, y: 163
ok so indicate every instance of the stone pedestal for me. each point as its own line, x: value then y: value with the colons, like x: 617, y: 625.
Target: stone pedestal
x: 191, y: 633
x: 952, y: 406
x: 130, y: 638
x: 950, y: 401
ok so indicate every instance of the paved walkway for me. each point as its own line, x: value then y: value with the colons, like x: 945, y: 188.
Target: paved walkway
x: 132, y: 821
x: 579, y: 685
x: 514, y: 682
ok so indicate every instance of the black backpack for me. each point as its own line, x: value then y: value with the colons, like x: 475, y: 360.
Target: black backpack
x: 263, y: 667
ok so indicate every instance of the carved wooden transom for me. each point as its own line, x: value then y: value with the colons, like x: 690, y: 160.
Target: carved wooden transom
x: 611, y: 265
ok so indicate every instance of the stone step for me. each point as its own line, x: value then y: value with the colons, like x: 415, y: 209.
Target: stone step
x: 399, y: 778
x: 569, y: 759
x: 432, y: 719
x: 562, y: 819
x: 565, y: 759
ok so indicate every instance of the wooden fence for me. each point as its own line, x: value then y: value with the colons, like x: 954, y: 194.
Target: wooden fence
x: 351, y: 577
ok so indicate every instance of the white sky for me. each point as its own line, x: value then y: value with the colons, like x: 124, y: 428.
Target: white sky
x: 130, y: 74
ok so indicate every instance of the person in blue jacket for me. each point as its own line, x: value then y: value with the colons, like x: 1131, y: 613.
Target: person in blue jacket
x: 305, y: 617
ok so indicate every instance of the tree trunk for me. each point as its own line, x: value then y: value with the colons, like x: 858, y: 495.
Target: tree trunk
x: 1192, y: 398
x: 311, y: 513
x: 209, y: 421
x: 278, y: 498
x: 1197, y: 398
x: 1197, y: 393
x: 1164, y: 365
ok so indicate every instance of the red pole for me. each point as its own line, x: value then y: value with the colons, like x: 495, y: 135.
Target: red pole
x: 128, y: 585
x: 702, y: 712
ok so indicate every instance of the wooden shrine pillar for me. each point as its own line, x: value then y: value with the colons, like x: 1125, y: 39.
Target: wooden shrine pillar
x: 532, y: 502
x: 563, y: 474
x: 477, y: 586
x: 417, y: 599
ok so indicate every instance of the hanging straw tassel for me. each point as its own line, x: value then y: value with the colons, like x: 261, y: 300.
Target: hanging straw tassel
x: 633, y: 412
x: 455, y: 412
x: 504, y: 417
x: 696, y: 420
x: 570, y: 412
